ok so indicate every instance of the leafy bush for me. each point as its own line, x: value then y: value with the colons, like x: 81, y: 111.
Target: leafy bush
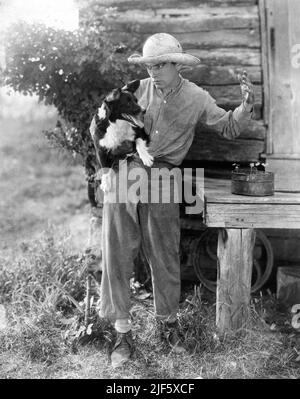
x: 72, y: 71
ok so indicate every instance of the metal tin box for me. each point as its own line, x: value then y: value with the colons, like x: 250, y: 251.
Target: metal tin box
x: 255, y: 183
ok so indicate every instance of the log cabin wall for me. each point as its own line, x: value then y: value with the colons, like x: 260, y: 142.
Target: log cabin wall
x: 226, y: 36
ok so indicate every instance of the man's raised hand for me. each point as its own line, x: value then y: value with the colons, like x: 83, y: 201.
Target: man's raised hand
x: 246, y: 88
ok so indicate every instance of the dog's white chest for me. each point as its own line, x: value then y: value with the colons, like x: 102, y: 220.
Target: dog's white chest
x: 116, y: 133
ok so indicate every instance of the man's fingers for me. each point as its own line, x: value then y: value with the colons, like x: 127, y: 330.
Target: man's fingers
x: 246, y: 85
x: 247, y: 82
x: 243, y: 78
x: 246, y: 88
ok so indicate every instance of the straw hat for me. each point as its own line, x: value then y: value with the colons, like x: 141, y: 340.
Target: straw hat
x: 163, y: 47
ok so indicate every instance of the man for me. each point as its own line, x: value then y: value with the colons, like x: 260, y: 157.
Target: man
x: 173, y: 107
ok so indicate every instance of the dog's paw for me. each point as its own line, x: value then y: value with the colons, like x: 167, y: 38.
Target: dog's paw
x: 147, y: 159
x: 142, y: 150
x: 106, y: 182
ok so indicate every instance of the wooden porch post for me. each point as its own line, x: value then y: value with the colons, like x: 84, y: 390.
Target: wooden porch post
x: 235, y: 259
x: 280, y: 43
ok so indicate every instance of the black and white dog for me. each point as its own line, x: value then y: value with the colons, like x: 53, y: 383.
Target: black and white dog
x: 119, y: 120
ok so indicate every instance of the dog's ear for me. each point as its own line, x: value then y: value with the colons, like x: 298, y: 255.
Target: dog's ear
x: 132, y: 86
x: 103, y: 111
x: 113, y: 95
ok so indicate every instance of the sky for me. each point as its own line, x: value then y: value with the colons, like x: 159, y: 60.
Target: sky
x: 57, y: 13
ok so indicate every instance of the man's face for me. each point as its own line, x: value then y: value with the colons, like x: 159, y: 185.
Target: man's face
x: 163, y: 74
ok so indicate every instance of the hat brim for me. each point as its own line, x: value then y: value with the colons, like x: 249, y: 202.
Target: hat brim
x: 178, y: 58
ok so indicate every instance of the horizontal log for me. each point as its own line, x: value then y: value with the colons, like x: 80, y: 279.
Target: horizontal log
x: 256, y: 130
x: 231, y: 93
x: 221, y: 75
x: 157, y: 4
x: 258, y: 112
x: 212, y: 147
x: 229, y: 97
x: 215, y: 12
x: 223, y: 38
x: 150, y: 22
x: 239, y: 13
x: 220, y: 38
x: 238, y: 56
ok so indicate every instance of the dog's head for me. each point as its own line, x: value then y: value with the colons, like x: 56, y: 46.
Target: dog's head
x: 122, y: 104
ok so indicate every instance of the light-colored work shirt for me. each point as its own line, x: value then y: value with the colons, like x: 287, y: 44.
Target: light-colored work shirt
x: 171, y: 120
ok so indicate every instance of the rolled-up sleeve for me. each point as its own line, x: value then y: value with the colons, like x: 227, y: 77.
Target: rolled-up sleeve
x: 228, y: 124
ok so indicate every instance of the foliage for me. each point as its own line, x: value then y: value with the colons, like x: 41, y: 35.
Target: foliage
x: 70, y: 70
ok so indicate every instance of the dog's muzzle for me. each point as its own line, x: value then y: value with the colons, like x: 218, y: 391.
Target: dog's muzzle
x: 135, y: 120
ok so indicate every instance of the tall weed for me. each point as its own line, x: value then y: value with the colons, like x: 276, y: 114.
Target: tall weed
x: 40, y: 290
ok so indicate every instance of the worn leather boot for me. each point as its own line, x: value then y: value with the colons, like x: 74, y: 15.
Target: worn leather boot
x: 122, y: 349
x: 169, y: 334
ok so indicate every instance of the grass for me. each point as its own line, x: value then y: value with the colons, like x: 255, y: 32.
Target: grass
x: 46, y: 331
x: 44, y: 218
x: 38, y: 183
